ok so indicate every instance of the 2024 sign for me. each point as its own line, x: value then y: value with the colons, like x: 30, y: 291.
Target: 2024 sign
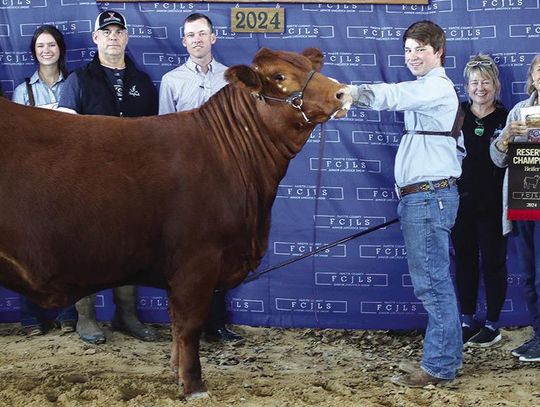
x: 258, y: 20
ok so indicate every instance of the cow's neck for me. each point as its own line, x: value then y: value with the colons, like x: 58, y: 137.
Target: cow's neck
x: 256, y: 143
x: 264, y: 137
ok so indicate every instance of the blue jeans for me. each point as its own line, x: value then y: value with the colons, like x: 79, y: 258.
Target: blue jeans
x: 32, y: 314
x: 527, y: 240
x: 426, y: 219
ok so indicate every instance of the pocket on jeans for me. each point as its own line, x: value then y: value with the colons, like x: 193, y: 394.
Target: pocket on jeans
x: 448, y: 214
x: 414, y: 209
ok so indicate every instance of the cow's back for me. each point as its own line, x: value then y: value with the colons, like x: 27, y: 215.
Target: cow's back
x: 109, y: 199
x: 88, y: 202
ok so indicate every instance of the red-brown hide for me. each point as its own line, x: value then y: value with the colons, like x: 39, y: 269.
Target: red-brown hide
x: 180, y: 201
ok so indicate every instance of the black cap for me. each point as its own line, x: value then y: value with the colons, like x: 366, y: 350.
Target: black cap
x: 109, y: 17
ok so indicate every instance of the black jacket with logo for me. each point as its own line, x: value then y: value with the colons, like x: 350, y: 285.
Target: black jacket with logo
x: 97, y: 94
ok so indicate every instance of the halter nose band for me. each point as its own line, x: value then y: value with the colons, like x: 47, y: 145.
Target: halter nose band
x: 295, y: 99
x: 300, y: 95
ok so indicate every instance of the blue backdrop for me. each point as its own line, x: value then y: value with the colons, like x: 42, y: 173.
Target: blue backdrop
x: 363, y: 283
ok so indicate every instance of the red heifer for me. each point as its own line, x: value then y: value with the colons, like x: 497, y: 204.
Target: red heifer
x: 180, y: 201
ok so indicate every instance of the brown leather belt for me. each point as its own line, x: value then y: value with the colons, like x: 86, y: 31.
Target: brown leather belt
x: 426, y: 186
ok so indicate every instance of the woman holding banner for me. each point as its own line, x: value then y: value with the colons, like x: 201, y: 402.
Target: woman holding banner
x: 527, y: 232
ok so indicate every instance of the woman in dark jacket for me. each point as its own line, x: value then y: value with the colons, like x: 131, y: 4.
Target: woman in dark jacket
x: 477, y: 235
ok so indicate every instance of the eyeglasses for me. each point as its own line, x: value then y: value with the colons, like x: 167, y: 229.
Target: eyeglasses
x: 476, y: 63
x: 107, y: 33
x: 479, y: 130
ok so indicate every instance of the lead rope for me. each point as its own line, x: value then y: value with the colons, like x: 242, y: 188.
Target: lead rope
x: 257, y: 275
x: 316, y: 213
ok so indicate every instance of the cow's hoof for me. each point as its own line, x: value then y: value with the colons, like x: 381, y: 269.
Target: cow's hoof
x: 197, y: 395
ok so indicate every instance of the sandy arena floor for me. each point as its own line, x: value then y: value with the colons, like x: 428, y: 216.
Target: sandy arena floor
x: 271, y: 367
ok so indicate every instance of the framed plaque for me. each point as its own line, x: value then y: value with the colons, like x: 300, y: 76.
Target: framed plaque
x: 524, y: 181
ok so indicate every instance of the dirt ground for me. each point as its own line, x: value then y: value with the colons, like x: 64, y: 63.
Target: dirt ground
x: 270, y: 367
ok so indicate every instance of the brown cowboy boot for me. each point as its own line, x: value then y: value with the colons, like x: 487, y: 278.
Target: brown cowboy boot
x: 418, y: 378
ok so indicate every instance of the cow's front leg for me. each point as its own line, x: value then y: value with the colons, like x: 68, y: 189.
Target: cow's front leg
x: 186, y: 325
x: 190, y: 365
x: 175, y: 352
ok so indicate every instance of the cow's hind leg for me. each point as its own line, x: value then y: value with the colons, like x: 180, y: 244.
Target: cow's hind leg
x: 188, y: 313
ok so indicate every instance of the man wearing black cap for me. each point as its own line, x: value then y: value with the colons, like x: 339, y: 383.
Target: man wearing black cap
x: 110, y: 85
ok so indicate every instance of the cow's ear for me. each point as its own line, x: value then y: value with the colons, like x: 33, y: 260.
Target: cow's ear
x: 244, y: 77
x: 315, y: 56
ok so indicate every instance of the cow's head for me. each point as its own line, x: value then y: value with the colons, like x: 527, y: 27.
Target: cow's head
x: 293, y: 79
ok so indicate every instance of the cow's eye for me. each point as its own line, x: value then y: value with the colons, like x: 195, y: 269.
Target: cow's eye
x: 279, y: 77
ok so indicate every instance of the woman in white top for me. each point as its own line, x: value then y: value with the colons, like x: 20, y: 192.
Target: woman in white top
x: 43, y: 89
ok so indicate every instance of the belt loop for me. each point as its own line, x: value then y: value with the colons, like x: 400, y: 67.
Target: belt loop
x: 398, y: 190
x: 431, y: 187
